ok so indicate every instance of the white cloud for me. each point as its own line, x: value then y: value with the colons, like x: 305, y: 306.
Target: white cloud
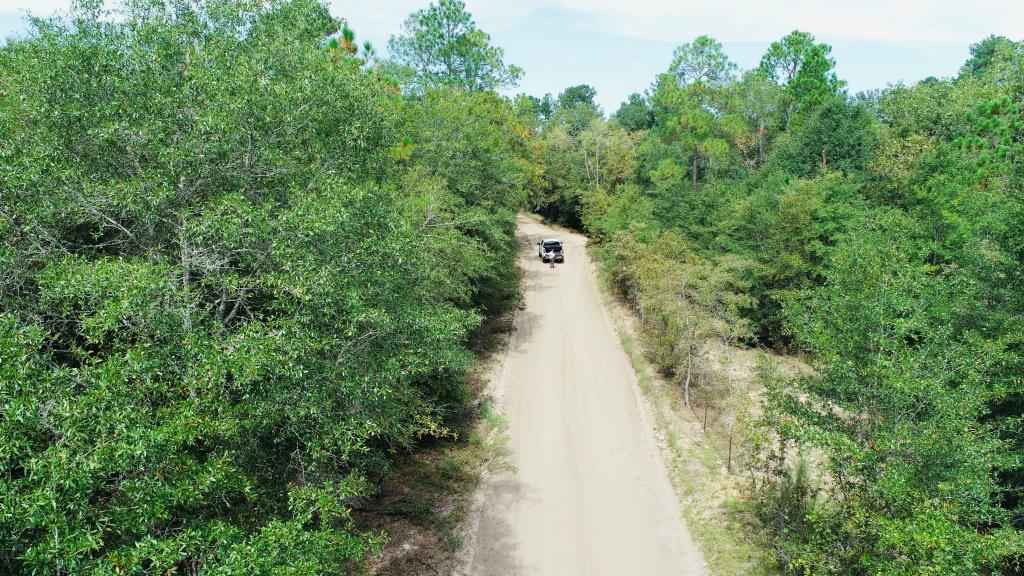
x: 375, y: 19
x: 36, y: 7
x: 888, y: 21
x: 382, y: 18
x: 900, y: 22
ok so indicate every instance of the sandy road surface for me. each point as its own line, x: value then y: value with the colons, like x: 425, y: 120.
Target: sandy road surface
x: 589, y: 494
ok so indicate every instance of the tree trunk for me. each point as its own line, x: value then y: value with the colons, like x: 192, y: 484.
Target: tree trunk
x: 760, y: 142
x: 693, y: 173
x: 689, y: 371
x: 184, y: 253
x: 728, y: 467
x: 707, y: 402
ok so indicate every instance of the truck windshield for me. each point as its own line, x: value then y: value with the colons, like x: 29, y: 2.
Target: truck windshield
x: 550, y: 247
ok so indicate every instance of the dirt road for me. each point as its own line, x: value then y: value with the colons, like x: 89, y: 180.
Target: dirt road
x: 588, y: 493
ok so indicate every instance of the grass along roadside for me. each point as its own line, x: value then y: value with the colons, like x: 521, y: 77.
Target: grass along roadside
x: 713, y: 502
x: 426, y: 499
x: 424, y: 502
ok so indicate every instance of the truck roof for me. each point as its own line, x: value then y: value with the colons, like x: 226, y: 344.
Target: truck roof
x: 552, y: 241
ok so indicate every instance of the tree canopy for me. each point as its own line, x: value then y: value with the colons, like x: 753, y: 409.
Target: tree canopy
x: 803, y: 66
x: 442, y: 46
x: 635, y: 113
x: 702, y: 61
x: 239, y: 276
x: 985, y: 53
x: 878, y: 236
x: 244, y: 258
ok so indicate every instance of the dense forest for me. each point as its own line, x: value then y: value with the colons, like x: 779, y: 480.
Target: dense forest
x: 880, y: 236
x: 241, y: 261
x: 244, y: 258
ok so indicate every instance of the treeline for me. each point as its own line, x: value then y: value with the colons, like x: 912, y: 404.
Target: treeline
x: 880, y: 235
x: 242, y: 257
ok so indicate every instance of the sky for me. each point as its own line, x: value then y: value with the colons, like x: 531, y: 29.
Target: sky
x: 618, y: 46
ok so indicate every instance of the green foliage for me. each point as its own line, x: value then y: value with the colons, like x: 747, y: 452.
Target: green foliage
x: 897, y: 413
x: 986, y: 54
x: 575, y: 109
x: 682, y: 300
x: 803, y: 67
x: 606, y: 215
x: 836, y: 135
x: 534, y: 110
x: 575, y: 95
x: 579, y: 154
x: 474, y: 142
x: 752, y: 116
x: 789, y: 225
x: 635, y: 114
x: 239, y: 274
x: 878, y: 236
x: 693, y: 126
x: 343, y: 46
x: 702, y: 62
x: 933, y: 109
x: 441, y: 46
